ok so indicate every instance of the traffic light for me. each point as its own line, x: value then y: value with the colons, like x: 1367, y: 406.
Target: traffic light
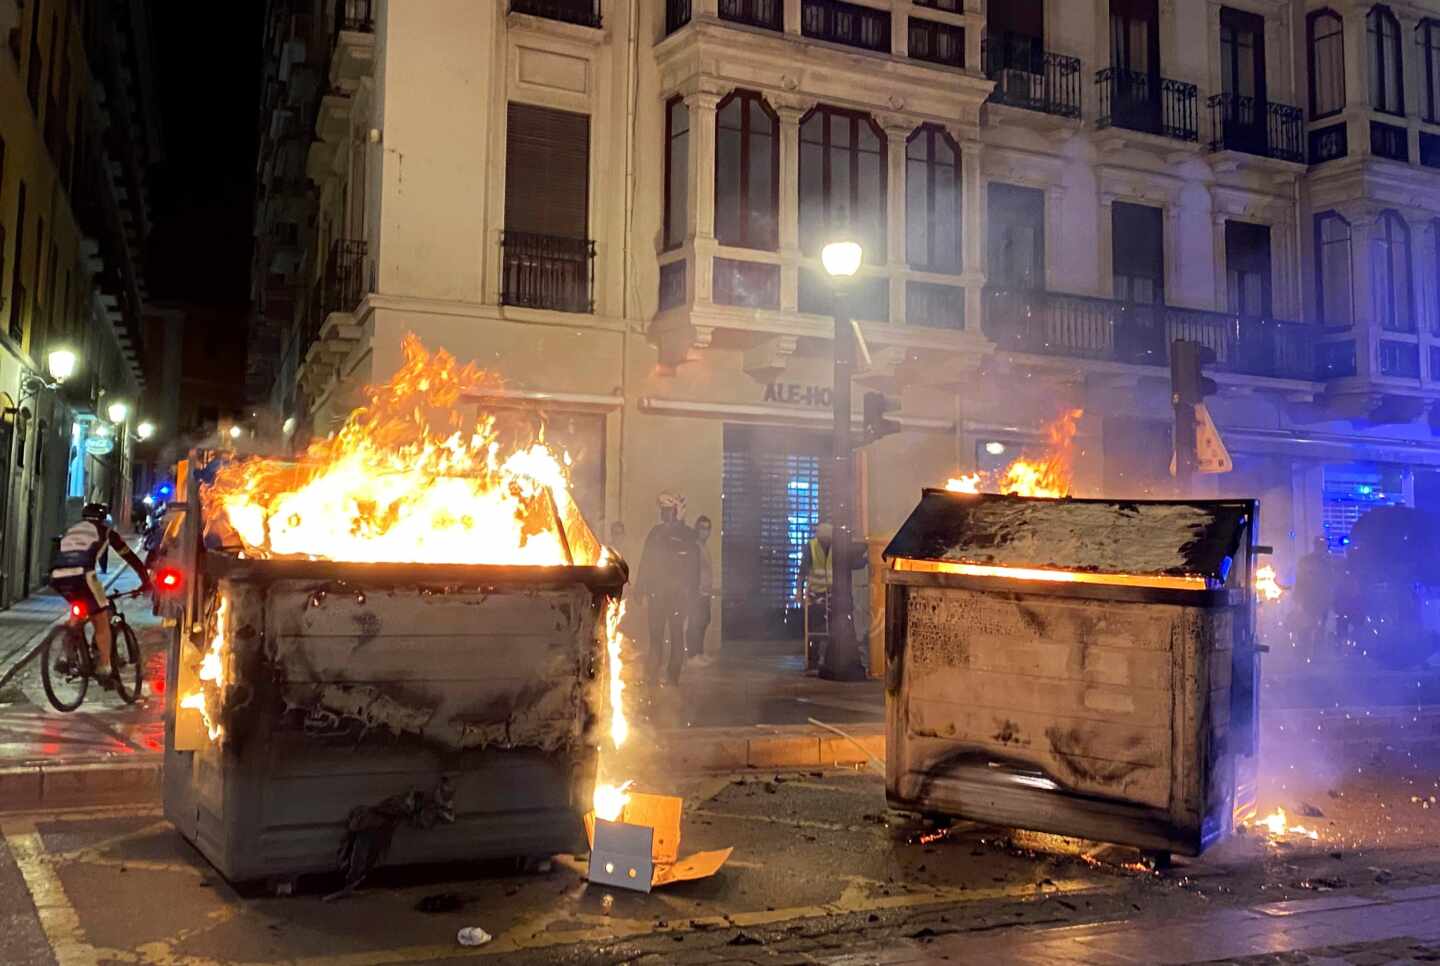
x: 1188, y: 384
x: 876, y: 423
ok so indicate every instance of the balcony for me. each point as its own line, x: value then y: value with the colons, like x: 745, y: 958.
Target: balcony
x: 344, y: 277
x: 585, y: 13
x: 1148, y: 103
x: 846, y: 23
x: 353, y: 47
x: 547, y: 272
x: 1029, y: 77
x: 1257, y: 127
x: 1075, y: 326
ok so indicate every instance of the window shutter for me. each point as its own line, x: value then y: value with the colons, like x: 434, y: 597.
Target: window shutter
x: 547, y: 171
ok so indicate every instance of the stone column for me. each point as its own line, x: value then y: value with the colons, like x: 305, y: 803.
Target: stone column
x: 1357, y: 82
x: 1284, y: 270
x: 792, y: 16
x: 704, y: 8
x: 1222, y: 265
x: 1362, y: 286
x: 897, y: 133
x: 1054, y: 235
x: 1413, y: 77
x: 900, y: 30
x: 701, y: 226
x: 973, y: 222
x: 790, y: 111
x: 1172, y: 251
x: 1422, y: 258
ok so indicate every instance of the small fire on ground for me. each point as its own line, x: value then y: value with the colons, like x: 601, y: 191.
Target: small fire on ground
x: 1277, y: 825
x: 1049, y: 476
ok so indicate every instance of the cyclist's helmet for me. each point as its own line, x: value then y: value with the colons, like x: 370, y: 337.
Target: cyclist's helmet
x: 99, y: 512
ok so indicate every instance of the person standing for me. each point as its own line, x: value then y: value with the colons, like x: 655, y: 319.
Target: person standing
x: 1315, y: 589
x: 700, y: 612
x: 668, y: 579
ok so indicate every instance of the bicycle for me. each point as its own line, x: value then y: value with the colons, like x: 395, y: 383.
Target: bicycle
x: 69, y: 655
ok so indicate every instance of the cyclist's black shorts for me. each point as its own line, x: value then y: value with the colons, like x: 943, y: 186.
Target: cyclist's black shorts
x: 84, y: 587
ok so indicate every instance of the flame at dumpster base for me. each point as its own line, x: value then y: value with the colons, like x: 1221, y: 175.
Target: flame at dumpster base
x: 610, y: 799
x: 208, y: 698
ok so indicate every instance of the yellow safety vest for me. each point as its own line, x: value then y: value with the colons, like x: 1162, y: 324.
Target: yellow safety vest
x: 819, y: 567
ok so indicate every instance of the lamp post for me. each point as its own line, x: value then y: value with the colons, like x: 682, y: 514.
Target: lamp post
x: 842, y: 658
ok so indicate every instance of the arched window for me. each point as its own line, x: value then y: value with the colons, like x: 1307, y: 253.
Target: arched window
x: 1333, y: 268
x: 747, y: 172
x: 1429, y: 31
x: 1387, y: 71
x: 1327, y: 63
x: 1390, y: 273
x: 932, y: 200
x: 842, y: 180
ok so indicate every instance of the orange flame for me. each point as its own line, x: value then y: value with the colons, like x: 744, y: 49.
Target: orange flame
x: 1277, y: 825
x: 406, y: 480
x: 207, y: 698
x: 1050, y: 476
x: 1267, y: 585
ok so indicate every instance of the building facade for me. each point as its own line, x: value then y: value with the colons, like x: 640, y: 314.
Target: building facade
x: 77, y: 138
x: 620, y: 204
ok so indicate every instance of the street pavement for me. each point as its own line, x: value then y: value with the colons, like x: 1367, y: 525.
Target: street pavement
x: 821, y: 874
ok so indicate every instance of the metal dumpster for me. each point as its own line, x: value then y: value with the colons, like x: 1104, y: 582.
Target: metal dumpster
x: 1081, y: 667
x: 460, y: 704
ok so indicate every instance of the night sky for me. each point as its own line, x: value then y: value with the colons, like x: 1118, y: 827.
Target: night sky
x: 208, y: 87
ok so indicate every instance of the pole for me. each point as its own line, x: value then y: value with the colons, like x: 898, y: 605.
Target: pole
x: 842, y: 657
x: 1184, y: 419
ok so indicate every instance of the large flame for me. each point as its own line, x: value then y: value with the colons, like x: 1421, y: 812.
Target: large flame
x: 406, y: 480
x: 1050, y: 476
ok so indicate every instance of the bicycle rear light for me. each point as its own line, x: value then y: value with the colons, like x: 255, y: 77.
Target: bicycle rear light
x: 168, y: 578
x: 77, y: 610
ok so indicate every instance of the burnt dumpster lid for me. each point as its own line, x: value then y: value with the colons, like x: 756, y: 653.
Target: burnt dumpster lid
x: 1190, y: 538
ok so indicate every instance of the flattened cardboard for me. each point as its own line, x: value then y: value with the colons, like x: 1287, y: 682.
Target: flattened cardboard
x: 618, y: 845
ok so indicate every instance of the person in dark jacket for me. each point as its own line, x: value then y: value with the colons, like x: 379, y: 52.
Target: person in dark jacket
x: 668, y: 579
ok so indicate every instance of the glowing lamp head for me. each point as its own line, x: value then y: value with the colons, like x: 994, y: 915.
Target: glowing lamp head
x: 288, y: 427
x: 61, y: 363
x: 842, y: 258
x: 995, y: 448
x: 235, y: 432
x: 117, y: 411
x: 145, y: 430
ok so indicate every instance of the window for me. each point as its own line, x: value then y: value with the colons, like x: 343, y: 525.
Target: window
x: 1435, y: 264
x: 677, y: 172
x: 547, y: 171
x: 938, y: 43
x: 747, y: 172
x: 1335, y: 296
x: 1138, y: 246
x: 842, y: 180
x: 1135, y: 36
x: 1015, y: 258
x: 1327, y: 63
x: 1242, y: 53
x: 1390, y: 273
x: 1247, y: 268
x: 1430, y: 40
x: 1387, y: 72
x: 932, y: 200
x: 17, y: 287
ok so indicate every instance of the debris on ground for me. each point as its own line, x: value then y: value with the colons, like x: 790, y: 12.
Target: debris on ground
x: 1309, y: 811
x: 441, y: 902
x: 473, y: 936
x: 745, y: 939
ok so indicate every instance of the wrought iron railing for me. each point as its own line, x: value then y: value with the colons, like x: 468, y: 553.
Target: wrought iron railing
x: 586, y: 13
x: 769, y: 14
x: 846, y: 23
x: 677, y: 15
x: 1253, y: 126
x: 1029, y: 76
x: 1138, y: 101
x: 344, y: 277
x: 1058, y: 324
x: 547, y: 272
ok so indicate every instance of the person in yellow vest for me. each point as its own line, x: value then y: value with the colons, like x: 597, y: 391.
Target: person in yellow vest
x: 818, y: 570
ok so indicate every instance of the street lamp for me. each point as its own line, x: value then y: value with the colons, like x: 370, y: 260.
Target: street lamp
x: 61, y: 363
x: 145, y: 430
x: 235, y: 432
x: 842, y: 658
x: 117, y: 411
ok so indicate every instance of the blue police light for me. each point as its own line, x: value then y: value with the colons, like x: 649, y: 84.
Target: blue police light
x: 1363, y: 489
x: 165, y: 489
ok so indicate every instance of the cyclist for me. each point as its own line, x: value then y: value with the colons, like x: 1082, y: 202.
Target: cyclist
x: 73, y: 574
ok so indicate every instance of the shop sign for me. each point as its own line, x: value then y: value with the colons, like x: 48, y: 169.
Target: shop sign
x: 797, y: 394
x: 99, y: 445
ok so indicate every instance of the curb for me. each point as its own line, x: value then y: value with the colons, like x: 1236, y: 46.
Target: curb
x: 137, y: 780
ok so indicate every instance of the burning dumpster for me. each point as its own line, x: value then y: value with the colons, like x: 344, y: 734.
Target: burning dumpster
x: 1080, y: 667
x: 394, y: 650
